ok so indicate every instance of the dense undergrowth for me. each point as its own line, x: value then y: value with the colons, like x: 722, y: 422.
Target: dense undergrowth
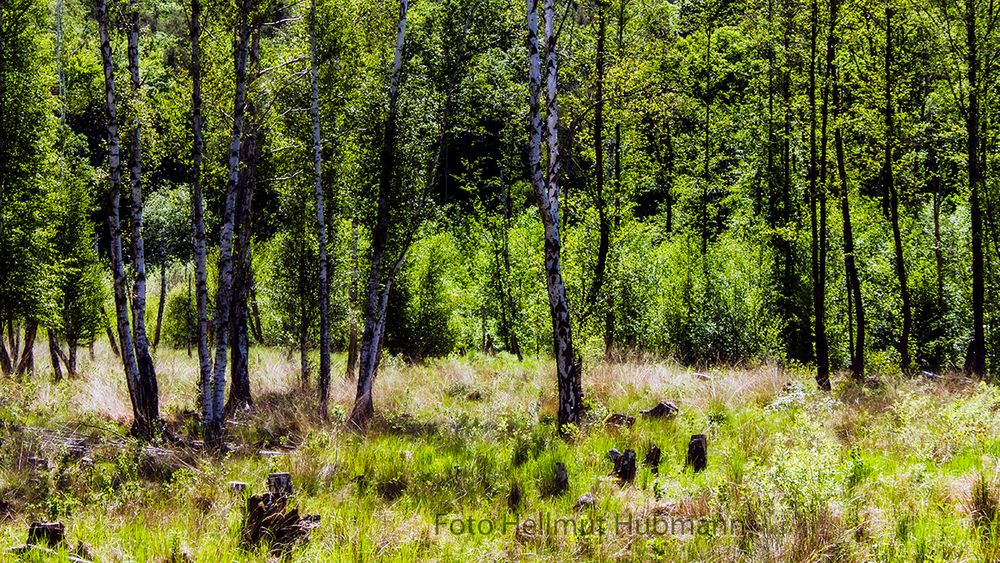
x: 907, y: 470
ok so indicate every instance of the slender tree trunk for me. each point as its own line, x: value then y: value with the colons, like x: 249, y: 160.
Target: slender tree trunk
x: 71, y: 348
x: 512, y: 309
x: 57, y: 374
x: 143, y: 424
x: 111, y: 336
x: 5, y: 362
x: 163, y: 299
x: 976, y: 362
x: 850, y: 259
x: 27, y: 362
x: 376, y: 301
x: 604, y: 226
x: 198, y: 226
x: 893, y: 192
x: 144, y: 361
x: 546, y: 191
x: 324, y: 286
x: 815, y: 200
x: 938, y: 249
x: 255, y: 326
x: 224, y: 293
x: 706, y: 173
x: 239, y: 392
x: 352, y: 297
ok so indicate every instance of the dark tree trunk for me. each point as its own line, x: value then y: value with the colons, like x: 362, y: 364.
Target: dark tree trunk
x: 352, y: 297
x: 57, y: 373
x: 604, y: 223
x: 324, y: 286
x: 976, y: 361
x: 27, y: 362
x: 819, y: 291
x: 850, y: 259
x: 163, y: 296
x: 893, y: 193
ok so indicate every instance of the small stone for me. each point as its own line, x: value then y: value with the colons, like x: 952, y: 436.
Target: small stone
x: 587, y: 500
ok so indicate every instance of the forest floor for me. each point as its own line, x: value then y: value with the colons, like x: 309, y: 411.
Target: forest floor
x: 460, y: 466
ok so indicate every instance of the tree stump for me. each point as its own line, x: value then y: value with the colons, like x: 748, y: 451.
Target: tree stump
x: 624, y: 465
x: 52, y: 534
x: 266, y: 521
x: 663, y: 409
x: 560, y: 482
x: 237, y: 487
x: 279, y: 484
x: 652, y: 460
x: 698, y: 452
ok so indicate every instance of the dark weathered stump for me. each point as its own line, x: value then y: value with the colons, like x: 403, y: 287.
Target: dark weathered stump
x: 624, y: 465
x: 237, y: 487
x: 514, y: 497
x: 652, y: 460
x: 52, y: 534
x: 267, y: 521
x: 662, y: 409
x: 698, y: 452
x: 279, y: 484
x: 619, y: 420
x: 560, y: 480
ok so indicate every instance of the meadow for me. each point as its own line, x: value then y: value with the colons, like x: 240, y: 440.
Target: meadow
x: 459, y: 465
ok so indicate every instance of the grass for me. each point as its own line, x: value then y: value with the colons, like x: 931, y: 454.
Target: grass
x: 904, y: 472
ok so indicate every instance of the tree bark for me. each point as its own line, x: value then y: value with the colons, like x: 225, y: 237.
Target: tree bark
x: 239, y: 392
x: 163, y: 295
x: 850, y: 258
x: 352, y: 297
x: 890, y: 188
x: 198, y: 225
x: 224, y: 293
x: 27, y: 362
x: 324, y: 286
x: 143, y: 422
x: 976, y: 361
x: 819, y: 292
x: 604, y: 227
x: 144, y: 361
x: 376, y: 301
x: 546, y: 191
x: 57, y: 374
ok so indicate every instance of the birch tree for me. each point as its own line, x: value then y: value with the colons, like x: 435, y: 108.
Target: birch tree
x: 380, y: 276
x: 213, y: 428
x: 144, y: 416
x: 546, y: 192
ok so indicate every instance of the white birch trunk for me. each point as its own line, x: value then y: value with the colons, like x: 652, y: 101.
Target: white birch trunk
x: 114, y: 196
x: 547, y: 197
x: 198, y: 221
x: 223, y: 296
